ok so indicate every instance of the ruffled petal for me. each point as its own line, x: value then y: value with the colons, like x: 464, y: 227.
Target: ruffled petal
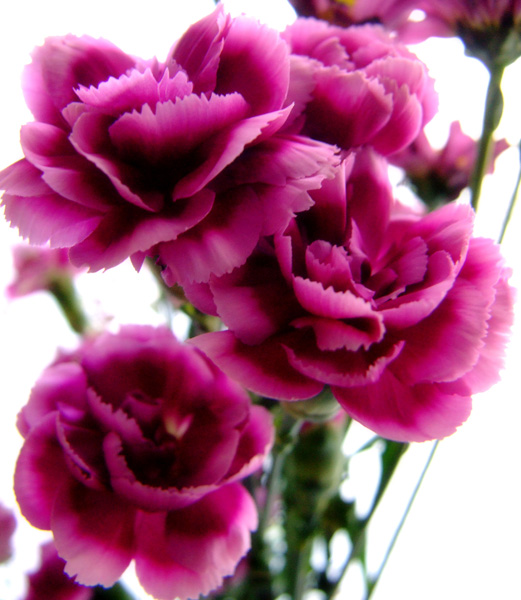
x: 40, y: 472
x: 255, y: 62
x: 221, y: 242
x: 406, y: 413
x: 347, y: 109
x: 187, y: 553
x: 93, y: 532
x: 124, y: 232
x: 264, y: 369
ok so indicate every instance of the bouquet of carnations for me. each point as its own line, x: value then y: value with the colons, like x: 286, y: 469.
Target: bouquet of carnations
x: 249, y: 172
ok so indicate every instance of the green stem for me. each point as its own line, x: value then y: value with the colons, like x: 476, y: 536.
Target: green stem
x: 302, y: 568
x: 260, y: 585
x: 394, y: 451
x: 64, y: 292
x: 286, y: 437
x: 513, y: 199
x: 375, y: 579
x: 491, y: 118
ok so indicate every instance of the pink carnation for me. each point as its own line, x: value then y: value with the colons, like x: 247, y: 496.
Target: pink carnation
x: 404, y: 316
x: 440, y: 175
x: 357, y: 86
x: 490, y: 29
x: 348, y: 12
x: 36, y: 269
x: 50, y: 581
x: 128, y: 158
x: 134, y: 447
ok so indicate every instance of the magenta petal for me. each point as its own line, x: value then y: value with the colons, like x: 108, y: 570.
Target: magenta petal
x: 119, y: 235
x: 199, y: 50
x: 410, y: 308
x: 40, y: 471
x: 187, y: 553
x: 50, y: 218
x: 64, y: 63
x: 446, y: 345
x: 406, y: 413
x: 220, y: 243
x: 70, y: 175
x: 171, y: 129
x: 254, y: 301
x: 61, y: 386
x: 147, y: 497
x: 348, y: 109
x: 226, y: 146
x: 254, y: 62
x: 492, y: 355
x: 133, y: 91
x: 334, y: 334
x: 403, y: 126
x: 326, y: 302
x: 447, y: 229
x: 23, y: 179
x: 264, y: 369
x: 94, y: 533
x: 256, y: 441
x: 342, y: 367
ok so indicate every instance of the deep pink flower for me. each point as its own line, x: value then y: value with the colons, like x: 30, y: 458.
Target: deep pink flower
x: 357, y: 86
x: 50, y: 581
x: 439, y: 175
x: 390, y: 13
x: 132, y: 158
x: 403, y: 315
x: 134, y: 447
x: 37, y: 268
x: 490, y: 29
x: 7, y: 528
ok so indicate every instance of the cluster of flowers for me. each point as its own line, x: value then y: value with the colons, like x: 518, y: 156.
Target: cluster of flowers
x: 490, y: 29
x: 252, y: 167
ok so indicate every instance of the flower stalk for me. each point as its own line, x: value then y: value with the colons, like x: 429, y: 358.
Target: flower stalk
x: 64, y: 292
x: 491, y: 118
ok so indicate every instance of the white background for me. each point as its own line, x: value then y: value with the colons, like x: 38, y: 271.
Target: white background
x: 461, y: 540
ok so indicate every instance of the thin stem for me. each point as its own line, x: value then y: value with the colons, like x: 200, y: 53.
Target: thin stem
x: 63, y: 290
x: 512, y: 204
x: 396, y: 451
x: 375, y: 579
x: 491, y: 118
x: 302, y: 571
x: 282, y: 447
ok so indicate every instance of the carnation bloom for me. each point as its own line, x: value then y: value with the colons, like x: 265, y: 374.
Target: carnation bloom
x: 390, y: 13
x: 490, y: 29
x: 37, y: 269
x: 440, y: 175
x: 134, y: 448
x: 357, y: 86
x: 404, y: 316
x: 128, y: 158
x: 50, y: 581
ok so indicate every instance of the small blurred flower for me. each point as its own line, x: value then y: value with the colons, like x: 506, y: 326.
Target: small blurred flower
x: 50, y: 581
x: 7, y: 528
x: 490, y: 29
x: 389, y: 13
x: 439, y: 175
x: 134, y: 448
x: 38, y: 269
